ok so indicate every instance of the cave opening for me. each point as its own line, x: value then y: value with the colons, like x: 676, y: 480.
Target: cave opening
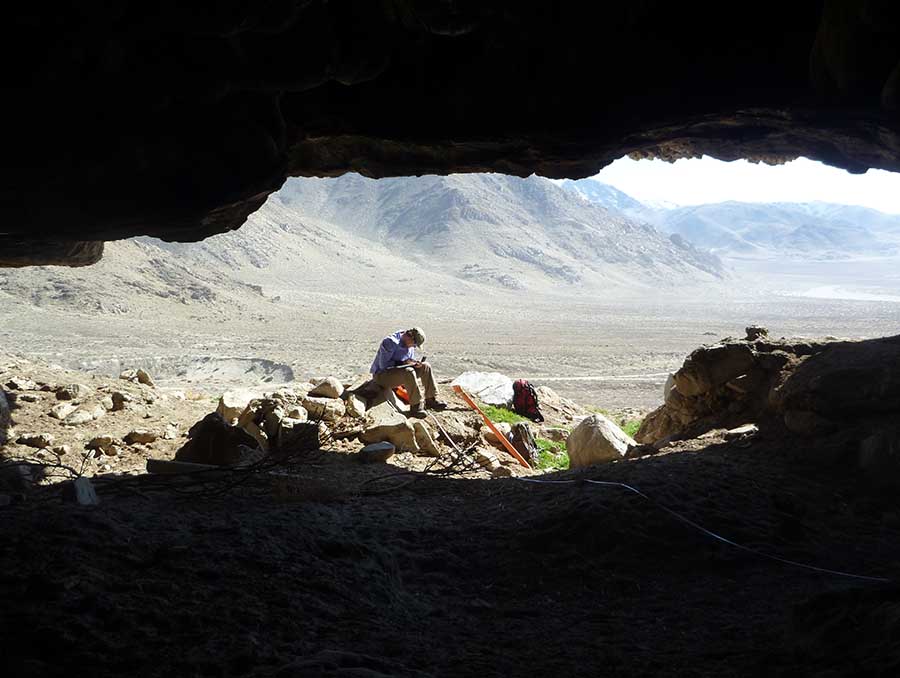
x: 747, y: 383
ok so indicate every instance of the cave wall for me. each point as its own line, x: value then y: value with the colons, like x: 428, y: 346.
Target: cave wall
x: 177, y: 119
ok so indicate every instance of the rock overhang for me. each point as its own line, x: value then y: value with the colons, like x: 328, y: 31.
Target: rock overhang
x: 178, y: 122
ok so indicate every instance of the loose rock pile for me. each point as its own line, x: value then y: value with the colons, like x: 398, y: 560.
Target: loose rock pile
x: 845, y: 395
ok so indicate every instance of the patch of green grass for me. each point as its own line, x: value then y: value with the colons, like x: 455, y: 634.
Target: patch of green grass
x: 631, y: 427
x: 501, y: 414
x: 552, y: 456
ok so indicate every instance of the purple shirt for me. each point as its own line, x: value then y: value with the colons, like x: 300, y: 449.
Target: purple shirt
x: 391, y: 353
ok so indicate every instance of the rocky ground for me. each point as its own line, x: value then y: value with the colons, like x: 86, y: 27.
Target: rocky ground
x: 331, y: 567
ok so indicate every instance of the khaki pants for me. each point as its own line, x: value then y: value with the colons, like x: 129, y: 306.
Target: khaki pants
x: 409, y: 376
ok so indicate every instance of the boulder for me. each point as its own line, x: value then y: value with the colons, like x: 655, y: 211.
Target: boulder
x: 487, y: 459
x: 491, y: 438
x: 233, y: 403
x: 327, y: 409
x: 297, y: 413
x: 711, y: 366
x: 555, y: 406
x: 82, y: 492
x: 501, y: 472
x: 73, y: 392
x: 139, y: 375
x: 376, y: 452
x: 329, y: 387
x: 492, y: 388
x: 85, y: 413
x: 808, y: 424
x: 879, y: 457
x: 424, y: 439
x: 557, y: 435
x: 656, y: 426
x: 144, y: 378
x: 597, y: 440
x: 120, y: 400
x: 213, y: 441
x: 171, y: 432
x: 140, y: 435
x: 383, y: 423
x: 30, y: 398
x: 102, y: 443
x: 107, y: 403
x: 742, y: 432
x: 38, y: 440
x: 356, y: 406
x: 755, y: 332
x: 21, y: 384
x: 62, y: 410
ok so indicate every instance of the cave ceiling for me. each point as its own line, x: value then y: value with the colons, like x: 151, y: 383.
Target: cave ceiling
x: 178, y: 119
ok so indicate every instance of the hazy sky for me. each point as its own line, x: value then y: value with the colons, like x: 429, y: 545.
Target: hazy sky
x: 701, y: 180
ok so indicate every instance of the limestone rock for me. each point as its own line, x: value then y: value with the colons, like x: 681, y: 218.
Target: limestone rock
x: 356, y: 406
x: 62, y: 410
x: 755, y: 332
x: 742, y: 432
x: 424, y: 439
x: 61, y: 450
x: 107, y: 403
x: 383, y: 423
x: 502, y: 472
x: 140, y: 375
x: 84, y: 414
x: 807, y: 423
x: 711, y: 366
x: 213, y: 441
x: 327, y: 409
x: 21, y: 384
x: 377, y: 452
x: 171, y: 432
x: 297, y: 413
x: 140, y: 435
x: 73, y: 392
x: 487, y: 459
x: 555, y: 406
x: 492, y: 388
x: 120, y: 401
x: 38, y: 440
x: 82, y: 492
x: 144, y: 378
x: 656, y: 426
x: 29, y: 398
x: 233, y: 403
x: 102, y: 443
x: 879, y: 457
x: 597, y: 440
x: 492, y: 439
x: 329, y: 387
x: 557, y: 435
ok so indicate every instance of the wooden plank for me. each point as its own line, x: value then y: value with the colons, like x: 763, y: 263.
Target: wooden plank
x: 508, y: 445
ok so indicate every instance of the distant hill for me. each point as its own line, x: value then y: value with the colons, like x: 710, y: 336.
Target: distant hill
x: 807, y: 231
x: 352, y: 234
x: 786, y: 230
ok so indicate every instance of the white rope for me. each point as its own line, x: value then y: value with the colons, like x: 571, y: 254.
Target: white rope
x: 710, y: 533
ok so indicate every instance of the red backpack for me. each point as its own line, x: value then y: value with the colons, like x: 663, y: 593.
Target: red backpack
x: 525, y: 401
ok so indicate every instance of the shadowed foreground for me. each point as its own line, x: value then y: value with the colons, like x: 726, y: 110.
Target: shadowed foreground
x: 461, y: 577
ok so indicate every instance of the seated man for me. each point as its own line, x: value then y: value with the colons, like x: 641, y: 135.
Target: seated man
x: 395, y: 365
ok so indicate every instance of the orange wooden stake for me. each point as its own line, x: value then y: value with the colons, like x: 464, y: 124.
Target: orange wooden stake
x: 508, y: 445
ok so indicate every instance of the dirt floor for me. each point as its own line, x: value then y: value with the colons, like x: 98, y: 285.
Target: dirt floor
x: 333, y: 576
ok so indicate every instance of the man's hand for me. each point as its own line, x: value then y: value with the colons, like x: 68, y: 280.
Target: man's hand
x: 412, y: 363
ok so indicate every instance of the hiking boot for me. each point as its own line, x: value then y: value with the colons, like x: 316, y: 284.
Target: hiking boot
x: 417, y: 411
x: 435, y: 404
